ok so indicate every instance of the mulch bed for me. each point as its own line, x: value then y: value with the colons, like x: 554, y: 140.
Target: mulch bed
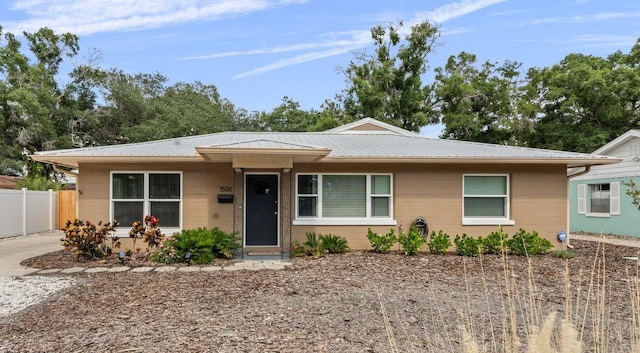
x: 65, y: 259
x: 357, y: 302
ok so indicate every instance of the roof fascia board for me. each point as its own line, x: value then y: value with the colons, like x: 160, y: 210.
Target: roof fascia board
x: 470, y: 160
x: 264, y: 151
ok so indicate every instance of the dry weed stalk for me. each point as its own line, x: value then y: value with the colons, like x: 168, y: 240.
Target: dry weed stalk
x: 393, y: 346
x: 468, y: 342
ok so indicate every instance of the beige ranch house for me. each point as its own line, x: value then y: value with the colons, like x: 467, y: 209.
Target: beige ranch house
x: 274, y: 187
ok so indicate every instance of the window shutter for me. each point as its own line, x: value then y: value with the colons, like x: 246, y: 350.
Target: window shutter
x: 582, y: 199
x: 615, y: 198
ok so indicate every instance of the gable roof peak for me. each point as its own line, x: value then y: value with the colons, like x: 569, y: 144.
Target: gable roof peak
x: 369, y: 126
x: 622, y: 139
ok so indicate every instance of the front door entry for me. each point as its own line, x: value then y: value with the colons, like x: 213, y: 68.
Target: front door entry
x: 261, y: 210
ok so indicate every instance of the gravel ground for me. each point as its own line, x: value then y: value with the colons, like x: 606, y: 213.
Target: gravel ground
x: 21, y: 292
x: 358, y: 302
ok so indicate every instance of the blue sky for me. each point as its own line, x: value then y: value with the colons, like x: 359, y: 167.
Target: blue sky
x: 258, y: 51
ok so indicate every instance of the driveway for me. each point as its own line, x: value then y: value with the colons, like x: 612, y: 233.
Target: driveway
x: 15, y: 250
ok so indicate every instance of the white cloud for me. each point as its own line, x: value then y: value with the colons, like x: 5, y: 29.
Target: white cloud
x: 358, y: 39
x: 587, y: 19
x: 84, y: 17
x: 597, y: 41
x: 96, y: 16
x: 453, y: 10
x: 294, y: 61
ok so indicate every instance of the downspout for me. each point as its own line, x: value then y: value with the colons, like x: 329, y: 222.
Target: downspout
x: 587, y: 169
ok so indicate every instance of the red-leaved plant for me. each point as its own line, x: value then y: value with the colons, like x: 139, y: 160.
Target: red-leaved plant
x: 148, y: 231
x: 86, y: 239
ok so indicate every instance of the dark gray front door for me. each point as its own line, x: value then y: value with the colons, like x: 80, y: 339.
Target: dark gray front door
x: 261, y: 210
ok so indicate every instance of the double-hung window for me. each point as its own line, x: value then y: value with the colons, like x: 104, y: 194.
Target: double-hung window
x: 486, y: 199
x: 344, y: 199
x: 137, y: 194
x: 599, y: 199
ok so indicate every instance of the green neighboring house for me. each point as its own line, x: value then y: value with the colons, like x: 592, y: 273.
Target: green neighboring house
x: 598, y: 199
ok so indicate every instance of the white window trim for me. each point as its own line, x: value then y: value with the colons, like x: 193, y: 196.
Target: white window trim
x: 614, y: 200
x: 367, y: 220
x: 489, y: 221
x: 599, y: 215
x: 123, y: 230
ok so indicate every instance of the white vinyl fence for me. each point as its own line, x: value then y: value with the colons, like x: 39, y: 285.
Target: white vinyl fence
x: 24, y: 212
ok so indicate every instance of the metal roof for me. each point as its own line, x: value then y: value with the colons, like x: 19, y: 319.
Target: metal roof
x: 343, y: 145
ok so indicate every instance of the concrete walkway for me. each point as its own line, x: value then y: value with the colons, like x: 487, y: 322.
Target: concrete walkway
x: 15, y: 250
x: 631, y: 242
x: 251, y: 265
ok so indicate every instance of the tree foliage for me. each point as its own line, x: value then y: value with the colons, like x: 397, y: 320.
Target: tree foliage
x: 288, y: 116
x: 479, y: 103
x: 578, y: 104
x: 633, y: 191
x: 30, y: 97
x: 582, y: 102
x: 388, y: 84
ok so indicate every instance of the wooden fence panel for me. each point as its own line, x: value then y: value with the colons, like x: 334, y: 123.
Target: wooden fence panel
x: 66, y: 207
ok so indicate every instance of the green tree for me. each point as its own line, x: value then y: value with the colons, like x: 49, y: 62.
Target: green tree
x: 185, y: 109
x: 285, y: 117
x: 633, y: 191
x: 388, y: 85
x: 479, y: 104
x: 584, y: 101
x: 143, y: 107
x: 30, y: 97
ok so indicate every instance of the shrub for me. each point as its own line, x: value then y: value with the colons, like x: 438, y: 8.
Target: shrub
x: 524, y: 243
x: 39, y: 182
x: 149, y: 231
x: 334, y: 244
x: 313, y: 246
x: 86, y: 239
x: 562, y: 254
x: 411, y: 242
x: 203, y: 244
x: 439, y: 243
x: 468, y: 246
x: 298, y: 250
x: 382, y: 243
x: 495, y: 242
x: 223, y: 243
x: 199, y: 242
x: 166, y: 252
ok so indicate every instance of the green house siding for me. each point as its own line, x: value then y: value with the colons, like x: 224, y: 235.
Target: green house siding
x: 627, y: 222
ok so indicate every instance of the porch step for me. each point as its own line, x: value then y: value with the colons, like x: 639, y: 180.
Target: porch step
x: 264, y: 253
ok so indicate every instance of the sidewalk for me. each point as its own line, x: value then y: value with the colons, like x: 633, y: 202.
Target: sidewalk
x: 15, y: 250
x: 631, y: 242
x: 251, y: 265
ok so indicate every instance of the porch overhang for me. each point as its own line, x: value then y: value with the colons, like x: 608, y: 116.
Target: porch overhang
x: 260, y: 157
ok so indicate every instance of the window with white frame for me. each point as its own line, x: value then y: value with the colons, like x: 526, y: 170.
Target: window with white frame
x: 599, y: 199
x: 136, y: 194
x: 486, y: 199
x: 343, y: 196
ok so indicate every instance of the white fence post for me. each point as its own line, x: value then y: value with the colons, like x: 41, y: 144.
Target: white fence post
x: 51, y: 210
x: 24, y: 211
